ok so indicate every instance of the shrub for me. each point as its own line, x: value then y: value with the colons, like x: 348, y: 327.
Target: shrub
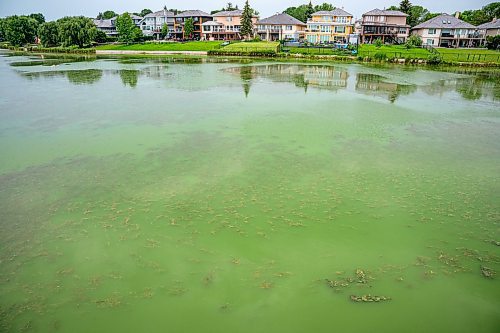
x: 378, y: 43
x: 413, y: 41
x: 493, y: 42
x: 434, y: 59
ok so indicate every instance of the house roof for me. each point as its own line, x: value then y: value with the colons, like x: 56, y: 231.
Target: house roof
x: 335, y: 12
x: 229, y: 13
x: 104, y: 23
x: 281, y: 19
x: 377, y: 12
x: 160, y: 13
x: 212, y: 23
x: 495, y: 24
x: 193, y: 13
x: 444, y: 21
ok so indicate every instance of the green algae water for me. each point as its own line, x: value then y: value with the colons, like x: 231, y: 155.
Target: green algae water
x: 215, y: 195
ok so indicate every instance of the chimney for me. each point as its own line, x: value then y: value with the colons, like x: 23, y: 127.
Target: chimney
x: 457, y: 14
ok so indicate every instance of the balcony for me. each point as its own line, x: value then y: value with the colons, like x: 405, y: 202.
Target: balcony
x: 447, y: 35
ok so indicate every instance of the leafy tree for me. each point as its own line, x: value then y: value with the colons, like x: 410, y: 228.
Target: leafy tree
x: 492, y: 10
x: 109, y: 14
x: 229, y: 7
x: 145, y: 12
x: 49, y: 34
x: 246, y: 21
x: 474, y: 17
x: 100, y: 16
x: 303, y: 12
x: 20, y: 30
x: 126, y: 28
x: 189, y: 28
x: 2, y: 34
x: 324, y: 6
x: 405, y: 6
x: 38, y: 17
x: 164, y: 31
x: 417, y: 15
x: 76, y: 31
x: 100, y: 37
x: 309, y: 11
x: 393, y: 8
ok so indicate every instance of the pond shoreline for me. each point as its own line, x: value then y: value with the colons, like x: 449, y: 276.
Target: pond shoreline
x: 333, y: 58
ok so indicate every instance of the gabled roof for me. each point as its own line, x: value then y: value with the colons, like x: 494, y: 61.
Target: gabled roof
x: 229, y: 13
x: 281, y: 19
x: 161, y: 13
x: 193, y: 13
x: 495, y: 24
x: 104, y: 23
x: 335, y: 12
x: 444, y: 21
x: 212, y: 23
x: 377, y: 12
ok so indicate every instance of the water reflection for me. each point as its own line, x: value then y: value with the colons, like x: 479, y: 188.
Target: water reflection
x: 474, y: 86
x: 376, y: 85
x: 129, y: 77
x: 86, y: 76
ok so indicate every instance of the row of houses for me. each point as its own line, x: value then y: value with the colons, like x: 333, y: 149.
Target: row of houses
x: 336, y: 26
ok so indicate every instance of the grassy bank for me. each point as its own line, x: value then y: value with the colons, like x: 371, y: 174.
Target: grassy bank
x: 187, y: 46
x: 469, y: 55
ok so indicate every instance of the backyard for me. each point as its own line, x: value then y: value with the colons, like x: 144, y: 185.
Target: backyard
x: 171, y: 46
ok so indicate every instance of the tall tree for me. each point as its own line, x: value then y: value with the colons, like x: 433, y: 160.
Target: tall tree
x: 309, y: 11
x: 49, y: 34
x: 188, y: 28
x: 405, y: 6
x: 126, y: 28
x: 474, y: 17
x: 20, y: 30
x: 417, y: 15
x: 109, y: 14
x: 246, y: 21
x: 76, y: 31
x: 38, y: 17
x: 2, y: 33
x: 145, y: 12
x: 492, y: 10
x: 324, y: 6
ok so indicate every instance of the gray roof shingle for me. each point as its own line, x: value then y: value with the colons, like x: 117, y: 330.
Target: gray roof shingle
x: 377, y: 12
x: 281, y: 19
x: 335, y: 12
x: 161, y: 13
x: 193, y: 13
x: 490, y: 25
x: 444, y: 21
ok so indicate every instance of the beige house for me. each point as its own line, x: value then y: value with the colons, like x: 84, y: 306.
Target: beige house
x: 226, y: 25
x: 329, y: 26
x: 448, y: 31
x: 388, y: 25
x: 281, y: 27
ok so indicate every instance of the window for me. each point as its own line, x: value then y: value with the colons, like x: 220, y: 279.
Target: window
x: 288, y: 27
x: 325, y: 28
x: 311, y: 39
x: 340, y: 30
x: 229, y: 19
x: 432, y: 31
x: 402, y: 31
x: 430, y: 42
x: 324, y: 39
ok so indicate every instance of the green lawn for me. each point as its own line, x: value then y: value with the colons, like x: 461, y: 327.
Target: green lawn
x: 469, y: 55
x: 393, y: 51
x: 174, y: 46
x: 314, y: 51
x: 251, y: 47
